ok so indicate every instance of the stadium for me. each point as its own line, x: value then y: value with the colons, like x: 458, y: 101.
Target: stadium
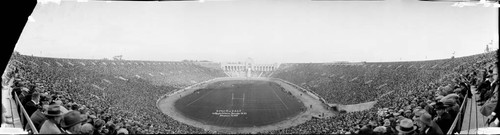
x: 233, y: 93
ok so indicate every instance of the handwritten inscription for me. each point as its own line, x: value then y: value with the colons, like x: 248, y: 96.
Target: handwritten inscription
x: 229, y: 113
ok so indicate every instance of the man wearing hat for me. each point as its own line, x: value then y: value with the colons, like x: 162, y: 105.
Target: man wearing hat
x: 443, y: 118
x: 122, y: 131
x: 380, y: 130
x: 53, y: 115
x: 406, y: 127
x: 32, y: 105
x: 482, y: 89
x: 451, y: 106
x: 38, y: 117
x: 428, y: 126
x: 72, y: 122
x: 87, y: 129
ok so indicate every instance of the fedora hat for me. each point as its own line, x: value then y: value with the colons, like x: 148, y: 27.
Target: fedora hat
x: 449, y: 102
x: 440, y: 106
x: 53, y: 110
x: 425, y: 118
x: 70, y: 119
x: 406, y: 126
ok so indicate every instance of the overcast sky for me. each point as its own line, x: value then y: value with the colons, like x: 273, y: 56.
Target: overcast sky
x: 266, y: 30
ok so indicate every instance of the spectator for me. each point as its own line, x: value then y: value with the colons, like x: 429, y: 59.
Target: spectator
x: 443, y: 118
x: 482, y: 89
x: 122, y: 131
x: 380, y: 130
x: 50, y: 126
x: 71, y: 122
x: 33, y: 105
x: 451, y: 107
x: 38, y: 117
x: 406, y: 127
x: 428, y: 126
x: 87, y: 129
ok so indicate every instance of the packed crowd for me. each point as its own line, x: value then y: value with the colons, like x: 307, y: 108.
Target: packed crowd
x: 79, y: 99
x: 419, y: 105
x: 351, y: 84
x: 84, y: 100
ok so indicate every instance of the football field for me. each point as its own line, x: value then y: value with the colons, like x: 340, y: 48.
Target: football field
x: 239, y: 103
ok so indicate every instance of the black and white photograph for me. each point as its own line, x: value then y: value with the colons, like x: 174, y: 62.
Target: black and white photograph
x: 378, y: 67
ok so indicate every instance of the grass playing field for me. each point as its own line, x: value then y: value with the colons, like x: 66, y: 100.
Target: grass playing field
x: 239, y: 103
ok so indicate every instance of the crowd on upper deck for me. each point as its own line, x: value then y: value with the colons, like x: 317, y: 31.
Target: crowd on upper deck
x: 417, y: 99
x: 419, y: 104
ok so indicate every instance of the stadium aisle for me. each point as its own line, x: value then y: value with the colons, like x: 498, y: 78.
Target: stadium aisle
x: 473, y: 118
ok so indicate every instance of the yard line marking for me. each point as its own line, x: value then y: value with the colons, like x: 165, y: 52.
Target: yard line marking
x: 199, y: 98
x: 280, y: 99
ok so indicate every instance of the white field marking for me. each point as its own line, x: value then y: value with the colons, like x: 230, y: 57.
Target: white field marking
x: 280, y: 99
x: 71, y: 63
x: 59, y: 64
x: 46, y: 63
x: 81, y: 63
